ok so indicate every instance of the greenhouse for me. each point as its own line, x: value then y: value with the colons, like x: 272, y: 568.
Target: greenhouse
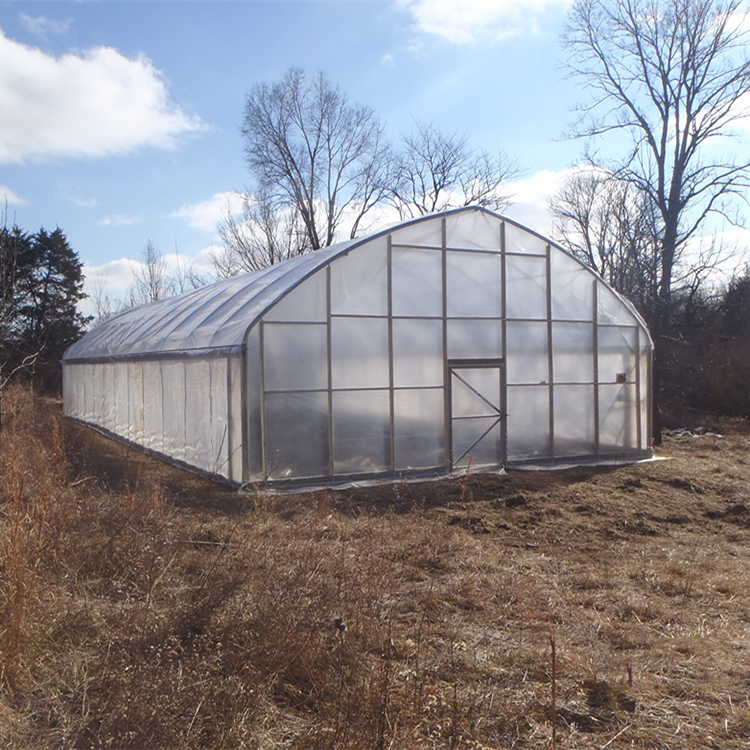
x: 457, y: 341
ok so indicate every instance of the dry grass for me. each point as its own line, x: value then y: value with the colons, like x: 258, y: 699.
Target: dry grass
x: 146, y: 608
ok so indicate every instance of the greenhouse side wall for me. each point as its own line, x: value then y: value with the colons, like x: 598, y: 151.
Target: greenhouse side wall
x: 184, y: 409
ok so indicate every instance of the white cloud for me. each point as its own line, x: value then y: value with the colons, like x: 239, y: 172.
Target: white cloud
x: 207, y: 214
x: 117, y: 220
x: 530, y: 198
x: 9, y: 197
x: 94, y: 104
x: 471, y: 21
x: 387, y: 61
x: 42, y: 27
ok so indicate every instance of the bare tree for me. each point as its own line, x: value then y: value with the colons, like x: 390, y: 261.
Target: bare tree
x: 186, y: 276
x: 151, y: 282
x: 612, y: 227
x: 260, y: 237
x: 671, y: 75
x: 313, y: 152
x: 437, y: 170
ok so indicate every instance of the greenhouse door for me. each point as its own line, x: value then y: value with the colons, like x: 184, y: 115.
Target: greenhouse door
x: 477, y: 413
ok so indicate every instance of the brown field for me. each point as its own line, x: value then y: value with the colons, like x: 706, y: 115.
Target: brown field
x: 144, y: 607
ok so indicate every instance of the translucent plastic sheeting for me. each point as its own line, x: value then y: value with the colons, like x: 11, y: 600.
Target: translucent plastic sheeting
x: 136, y: 426
x: 307, y: 302
x: 359, y: 281
x: 216, y: 316
x: 235, y: 414
x: 526, y: 287
x: 612, y: 309
x: 573, y: 352
x: 480, y: 231
x: 419, y: 427
x: 572, y: 288
x: 254, y: 447
x: 197, y: 441
x: 361, y: 432
x: 473, y: 285
x: 574, y: 420
x: 295, y: 356
x: 174, y: 406
x: 617, y: 353
x: 121, y: 400
x: 645, y: 377
x: 417, y: 352
x: 618, y: 425
x: 528, y: 422
x: 153, y: 411
x: 417, y: 280
x: 520, y: 240
x: 425, y: 233
x: 359, y: 353
x: 475, y: 339
x: 296, y: 435
x: 527, y: 352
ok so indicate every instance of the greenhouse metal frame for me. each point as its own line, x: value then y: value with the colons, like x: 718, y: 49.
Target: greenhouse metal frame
x: 456, y: 341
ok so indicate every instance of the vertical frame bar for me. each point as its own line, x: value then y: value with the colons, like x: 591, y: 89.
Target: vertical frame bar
x: 262, y: 355
x: 595, y: 318
x: 447, y: 397
x: 650, y: 404
x: 330, y: 371
x: 638, y: 418
x: 550, y: 362
x: 244, y: 416
x: 391, y: 398
x: 504, y: 351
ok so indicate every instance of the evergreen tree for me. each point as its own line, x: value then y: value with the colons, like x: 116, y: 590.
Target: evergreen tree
x: 44, y: 319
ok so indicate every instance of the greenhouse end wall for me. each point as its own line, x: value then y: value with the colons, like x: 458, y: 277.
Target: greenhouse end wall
x: 459, y: 341
x: 455, y: 342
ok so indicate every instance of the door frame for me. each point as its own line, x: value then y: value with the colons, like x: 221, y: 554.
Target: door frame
x: 498, y: 364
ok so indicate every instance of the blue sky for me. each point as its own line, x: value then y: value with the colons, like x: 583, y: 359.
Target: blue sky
x: 120, y: 122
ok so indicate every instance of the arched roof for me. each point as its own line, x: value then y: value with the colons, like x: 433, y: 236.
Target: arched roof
x: 215, y: 319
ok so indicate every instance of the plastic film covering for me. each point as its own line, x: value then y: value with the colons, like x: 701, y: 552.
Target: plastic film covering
x: 296, y: 435
x: 418, y: 429
x: 528, y: 361
x: 417, y: 353
x: 574, y: 420
x: 361, y: 432
x: 359, y: 353
x: 617, y: 353
x: 526, y: 287
x: 528, y: 422
x: 419, y: 233
x: 295, y: 356
x: 573, y: 352
x: 480, y: 231
x: 417, y: 282
x: 359, y: 281
x: 572, y: 289
x: 475, y: 339
x: 215, y: 317
x: 521, y: 240
x: 473, y: 285
x: 618, y: 425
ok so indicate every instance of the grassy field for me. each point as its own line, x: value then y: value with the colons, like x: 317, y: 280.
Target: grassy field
x: 144, y: 607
